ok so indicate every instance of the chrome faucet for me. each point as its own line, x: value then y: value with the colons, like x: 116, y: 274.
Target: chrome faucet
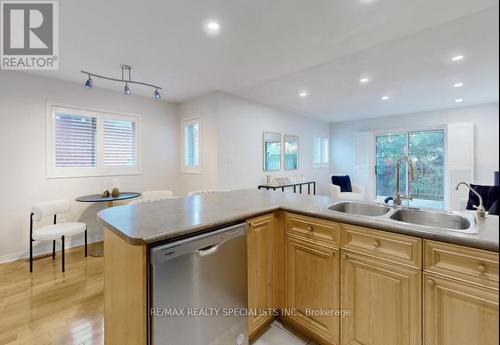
x: 481, y: 211
x: 397, y: 194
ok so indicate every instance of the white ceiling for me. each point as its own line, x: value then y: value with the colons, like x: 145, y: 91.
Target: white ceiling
x: 270, y: 50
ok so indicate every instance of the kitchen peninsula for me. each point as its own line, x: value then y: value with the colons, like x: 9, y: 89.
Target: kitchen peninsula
x: 401, y: 281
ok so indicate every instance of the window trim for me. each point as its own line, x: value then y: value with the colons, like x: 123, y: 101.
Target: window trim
x: 321, y: 164
x: 198, y: 170
x: 53, y: 172
x: 406, y: 131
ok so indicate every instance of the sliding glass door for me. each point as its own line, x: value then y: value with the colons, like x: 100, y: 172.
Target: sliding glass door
x: 426, y: 149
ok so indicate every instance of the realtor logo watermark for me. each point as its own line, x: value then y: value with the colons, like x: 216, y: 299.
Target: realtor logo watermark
x: 29, y: 35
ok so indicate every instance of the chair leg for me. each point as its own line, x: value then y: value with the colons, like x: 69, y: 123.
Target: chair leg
x: 53, y: 249
x: 31, y: 255
x: 62, y: 249
x: 85, y: 242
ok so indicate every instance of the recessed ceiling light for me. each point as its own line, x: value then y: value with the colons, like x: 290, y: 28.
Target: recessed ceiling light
x: 385, y: 98
x: 459, y: 100
x: 458, y: 84
x: 303, y: 94
x: 457, y: 58
x: 212, y: 27
x: 364, y: 80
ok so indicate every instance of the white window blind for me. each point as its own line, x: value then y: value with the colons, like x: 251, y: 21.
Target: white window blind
x: 84, y: 143
x: 75, y: 141
x: 191, y: 144
x: 321, y: 151
x: 119, y: 142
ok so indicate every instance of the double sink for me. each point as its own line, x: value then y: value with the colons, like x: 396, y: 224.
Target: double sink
x: 451, y: 221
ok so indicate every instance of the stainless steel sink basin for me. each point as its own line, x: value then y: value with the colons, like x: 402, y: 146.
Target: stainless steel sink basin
x: 361, y: 208
x: 446, y: 221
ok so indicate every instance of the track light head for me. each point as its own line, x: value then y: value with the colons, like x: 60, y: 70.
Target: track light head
x: 88, y: 83
x: 157, y: 94
x: 126, y: 89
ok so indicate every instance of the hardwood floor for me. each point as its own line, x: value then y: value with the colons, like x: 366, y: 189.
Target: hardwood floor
x: 48, y: 307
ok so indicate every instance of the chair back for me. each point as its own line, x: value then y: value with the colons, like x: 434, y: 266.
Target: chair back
x: 154, y: 195
x: 208, y: 191
x: 50, y: 208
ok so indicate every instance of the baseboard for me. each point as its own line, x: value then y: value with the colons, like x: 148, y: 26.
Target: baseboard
x: 45, y: 247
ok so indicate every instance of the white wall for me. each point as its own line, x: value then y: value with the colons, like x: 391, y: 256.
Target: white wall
x: 485, y: 118
x: 232, y: 130
x: 23, y: 159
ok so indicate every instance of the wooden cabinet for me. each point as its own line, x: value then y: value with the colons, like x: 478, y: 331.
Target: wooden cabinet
x: 312, y: 279
x: 384, y: 300
x: 261, y: 271
x: 313, y: 229
x: 460, y: 295
x: 461, y: 263
x: 456, y: 313
x: 400, y: 249
x: 125, y: 291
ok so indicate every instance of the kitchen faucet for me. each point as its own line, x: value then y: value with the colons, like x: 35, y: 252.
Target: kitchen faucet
x: 397, y: 194
x: 481, y: 211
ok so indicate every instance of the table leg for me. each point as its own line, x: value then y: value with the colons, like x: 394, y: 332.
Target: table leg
x: 314, y: 188
x: 97, y: 249
x: 308, y: 189
x: 295, y: 189
x: 300, y: 189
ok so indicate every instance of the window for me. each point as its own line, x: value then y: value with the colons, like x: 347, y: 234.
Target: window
x: 91, y: 143
x: 426, y: 149
x: 321, y: 158
x: 191, y: 138
x: 75, y: 140
x: 119, y: 143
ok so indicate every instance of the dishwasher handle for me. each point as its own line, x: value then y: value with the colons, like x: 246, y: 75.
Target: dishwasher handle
x: 209, y: 250
x: 202, y: 245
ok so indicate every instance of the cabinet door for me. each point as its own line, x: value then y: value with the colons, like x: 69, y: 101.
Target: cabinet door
x: 457, y: 313
x: 312, y: 287
x: 261, y: 270
x: 384, y: 300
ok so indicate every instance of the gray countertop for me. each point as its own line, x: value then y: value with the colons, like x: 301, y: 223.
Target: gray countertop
x: 147, y: 223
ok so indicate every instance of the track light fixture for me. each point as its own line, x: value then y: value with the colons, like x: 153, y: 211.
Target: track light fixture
x: 88, y: 83
x: 126, y: 78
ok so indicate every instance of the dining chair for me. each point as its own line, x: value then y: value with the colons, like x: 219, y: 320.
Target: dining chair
x: 55, y: 231
x: 207, y: 191
x: 154, y: 195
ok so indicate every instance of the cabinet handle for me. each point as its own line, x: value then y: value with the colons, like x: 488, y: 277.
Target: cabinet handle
x: 310, y: 228
x: 376, y: 243
x: 431, y: 282
x: 345, y: 256
x: 482, y: 269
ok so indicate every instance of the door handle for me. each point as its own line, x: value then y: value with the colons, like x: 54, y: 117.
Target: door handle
x: 209, y: 250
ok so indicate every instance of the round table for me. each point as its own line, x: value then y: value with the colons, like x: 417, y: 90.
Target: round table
x: 98, y: 248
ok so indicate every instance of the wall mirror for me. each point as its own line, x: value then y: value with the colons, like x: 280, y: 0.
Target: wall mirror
x: 291, y: 143
x: 272, y: 151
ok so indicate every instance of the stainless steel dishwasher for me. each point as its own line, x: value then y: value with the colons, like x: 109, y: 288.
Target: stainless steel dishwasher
x: 198, y: 291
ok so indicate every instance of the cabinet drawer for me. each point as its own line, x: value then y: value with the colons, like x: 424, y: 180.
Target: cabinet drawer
x: 401, y: 249
x: 314, y: 229
x: 467, y: 264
